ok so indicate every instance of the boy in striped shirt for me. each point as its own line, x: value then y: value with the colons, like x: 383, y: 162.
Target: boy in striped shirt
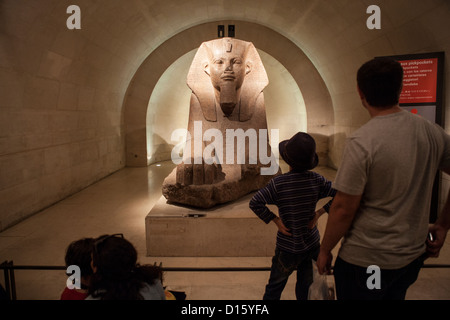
x: 295, y: 193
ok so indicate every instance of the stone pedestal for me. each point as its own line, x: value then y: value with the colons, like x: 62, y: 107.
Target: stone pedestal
x: 229, y: 230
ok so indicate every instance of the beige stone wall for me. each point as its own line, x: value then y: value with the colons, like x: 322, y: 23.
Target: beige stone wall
x: 72, y: 102
x: 61, y: 94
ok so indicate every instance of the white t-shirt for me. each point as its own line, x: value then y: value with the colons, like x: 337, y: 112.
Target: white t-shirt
x: 392, y: 161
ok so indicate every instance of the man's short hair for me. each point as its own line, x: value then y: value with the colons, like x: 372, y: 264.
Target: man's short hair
x: 380, y: 80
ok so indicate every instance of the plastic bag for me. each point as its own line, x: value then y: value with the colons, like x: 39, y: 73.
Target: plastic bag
x: 322, y: 287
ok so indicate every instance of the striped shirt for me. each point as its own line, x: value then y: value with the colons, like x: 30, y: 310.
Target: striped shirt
x: 296, y: 195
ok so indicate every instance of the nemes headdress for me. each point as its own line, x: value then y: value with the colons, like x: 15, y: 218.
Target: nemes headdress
x: 200, y: 82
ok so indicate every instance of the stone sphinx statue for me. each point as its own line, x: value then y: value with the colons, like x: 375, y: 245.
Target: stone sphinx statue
x: 227, y: 153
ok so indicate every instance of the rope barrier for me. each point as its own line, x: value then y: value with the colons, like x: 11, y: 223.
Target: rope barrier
x: 10, y: 285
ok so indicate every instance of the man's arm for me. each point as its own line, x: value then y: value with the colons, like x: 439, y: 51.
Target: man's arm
x: 342, y: 213
x: 440, y: 228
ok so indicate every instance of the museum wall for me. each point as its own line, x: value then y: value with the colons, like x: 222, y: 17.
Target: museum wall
x: 60, y: 107
x: 74, y: 103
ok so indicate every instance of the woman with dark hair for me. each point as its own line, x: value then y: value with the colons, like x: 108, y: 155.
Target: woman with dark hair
x: 118, y: 276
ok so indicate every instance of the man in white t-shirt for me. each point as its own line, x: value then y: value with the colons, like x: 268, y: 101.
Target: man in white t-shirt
x: 384, y: 183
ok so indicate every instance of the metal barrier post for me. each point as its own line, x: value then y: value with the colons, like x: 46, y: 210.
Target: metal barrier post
x: 5, y: 266
x: 13, y: 281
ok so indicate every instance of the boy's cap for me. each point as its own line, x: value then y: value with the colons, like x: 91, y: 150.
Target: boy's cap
x: 299, y: 152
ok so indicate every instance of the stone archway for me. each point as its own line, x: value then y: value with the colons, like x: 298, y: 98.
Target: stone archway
x: 315, y: 93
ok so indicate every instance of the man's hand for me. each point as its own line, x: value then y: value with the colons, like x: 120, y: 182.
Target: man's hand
x: 440, y: 228
x: 439, y: 234
x: 281, y: 227
x: 324, y: 262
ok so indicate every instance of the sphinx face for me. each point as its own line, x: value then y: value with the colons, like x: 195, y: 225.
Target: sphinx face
x: 227, y: 68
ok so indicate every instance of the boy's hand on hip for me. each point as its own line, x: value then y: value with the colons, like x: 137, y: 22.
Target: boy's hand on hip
x: 281, y: 227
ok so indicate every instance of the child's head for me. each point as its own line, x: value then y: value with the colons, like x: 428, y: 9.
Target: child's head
x: 79, y: 253
x: 299, y: 152
x: 113, y: 256
x: 117, y: 274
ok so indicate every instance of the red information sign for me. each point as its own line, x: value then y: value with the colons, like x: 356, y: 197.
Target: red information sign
x: 419, y: 80
x: 423, y: 94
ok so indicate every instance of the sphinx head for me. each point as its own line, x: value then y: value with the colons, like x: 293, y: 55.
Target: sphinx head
x: 227, y: 67
x: 224, y: 72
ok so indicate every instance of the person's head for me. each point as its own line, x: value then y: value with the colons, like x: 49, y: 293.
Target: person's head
x: 380, y: 82
x: 299, y: 152
x: 79, y: 253
x: 113, y: 257
x: 117, y: 275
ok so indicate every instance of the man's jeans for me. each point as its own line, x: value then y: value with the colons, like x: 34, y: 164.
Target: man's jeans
x: 351, y: 281
x: 283, y: 264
